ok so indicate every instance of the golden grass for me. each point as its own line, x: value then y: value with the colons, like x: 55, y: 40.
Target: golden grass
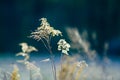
x: 15, y: 74
x: 69, y: 69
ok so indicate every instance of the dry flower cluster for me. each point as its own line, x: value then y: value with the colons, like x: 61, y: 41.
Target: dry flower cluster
x: 63, y: 46
x: 71, y: 68
x: 45, y: 31
x: 26, y: 50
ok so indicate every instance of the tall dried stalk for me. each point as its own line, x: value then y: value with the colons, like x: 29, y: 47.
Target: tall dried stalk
x: 52, y: 61
x: 71, y: 69
x: 44, y: 33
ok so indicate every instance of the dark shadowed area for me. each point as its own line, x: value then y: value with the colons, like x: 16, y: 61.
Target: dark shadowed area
x: 19, y: 17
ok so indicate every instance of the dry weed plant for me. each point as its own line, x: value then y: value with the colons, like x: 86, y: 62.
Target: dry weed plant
x: 80, y: 42
x: 45, y: 33
x: 34, y: 71
x: 15, y: 74
x: 71, y: 68
x: 26, y: 50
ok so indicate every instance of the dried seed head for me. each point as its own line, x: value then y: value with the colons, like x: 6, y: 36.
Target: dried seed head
x: 44, y: 31
x: 63, y: 46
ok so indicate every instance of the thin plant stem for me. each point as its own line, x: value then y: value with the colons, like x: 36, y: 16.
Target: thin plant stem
x: 52, y: 60
x: 53, y: 67
x: 53, y: 64
x: 61, y: 58
x: 48, y: 51
x: 52, y: 56
x: 45, y: 44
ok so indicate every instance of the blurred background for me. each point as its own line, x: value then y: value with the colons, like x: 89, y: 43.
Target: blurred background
x: 19, y: 17
x: 94, y: 25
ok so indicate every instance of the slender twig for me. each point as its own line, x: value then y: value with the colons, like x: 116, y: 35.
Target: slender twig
x: 45, y: 44
x: 52, y: 60
x: 61, y: 58
x: 48, y: 47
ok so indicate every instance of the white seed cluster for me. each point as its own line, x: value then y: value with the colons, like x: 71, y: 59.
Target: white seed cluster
x: 63, y: 46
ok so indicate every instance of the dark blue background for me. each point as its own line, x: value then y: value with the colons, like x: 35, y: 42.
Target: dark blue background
x: 19, y: 17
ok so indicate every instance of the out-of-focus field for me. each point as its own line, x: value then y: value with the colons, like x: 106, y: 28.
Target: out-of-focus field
x: 96, y: 70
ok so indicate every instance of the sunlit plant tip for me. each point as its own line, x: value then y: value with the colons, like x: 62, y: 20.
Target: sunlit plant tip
x: 63, y: 46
